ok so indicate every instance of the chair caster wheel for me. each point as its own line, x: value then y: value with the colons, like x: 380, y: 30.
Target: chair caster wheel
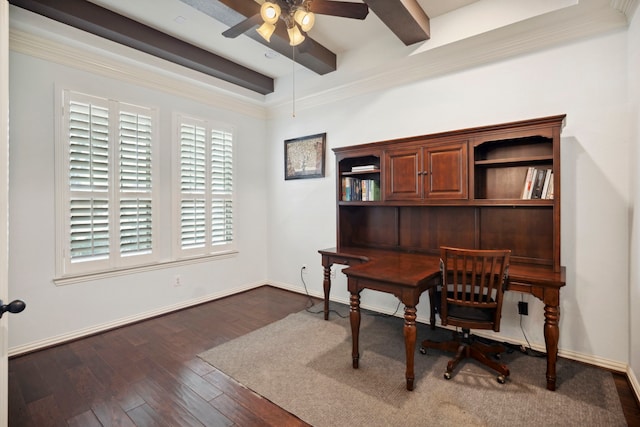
x: 447, y: 375
x: 501, y: 379
x: 423, y: 350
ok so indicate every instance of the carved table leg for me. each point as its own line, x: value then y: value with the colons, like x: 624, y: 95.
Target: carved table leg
x: 326, y: 283
x: 551, y: 335
x: 410, y: 343
x: 354, y: 316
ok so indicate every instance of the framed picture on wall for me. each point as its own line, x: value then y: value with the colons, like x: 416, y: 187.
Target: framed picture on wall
x: 304, y: 157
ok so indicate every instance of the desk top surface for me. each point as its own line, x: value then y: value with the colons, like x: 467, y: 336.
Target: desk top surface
x: 412, y: 269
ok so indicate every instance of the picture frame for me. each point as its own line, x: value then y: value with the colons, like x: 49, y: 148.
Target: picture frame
x: 304, y: 157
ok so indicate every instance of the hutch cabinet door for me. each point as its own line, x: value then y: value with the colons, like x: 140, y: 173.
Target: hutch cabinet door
x: 446, y: 172
x: 403, y: 173
x: 427, y: 172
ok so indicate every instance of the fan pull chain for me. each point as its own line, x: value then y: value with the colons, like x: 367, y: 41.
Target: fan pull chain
x: 293, y: 77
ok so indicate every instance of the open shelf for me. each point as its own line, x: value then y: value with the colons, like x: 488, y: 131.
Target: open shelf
x: 501, y: 167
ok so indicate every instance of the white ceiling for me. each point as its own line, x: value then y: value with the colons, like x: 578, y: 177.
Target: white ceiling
x: 463, y: 33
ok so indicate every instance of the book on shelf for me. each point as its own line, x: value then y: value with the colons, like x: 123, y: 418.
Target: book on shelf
x: 549, y: 194
x: 528, y: 183
x: 363, y: 168
x: 545, y: 187
x: 538, y: 184
x: 346, y: 188
x: 373, y: 190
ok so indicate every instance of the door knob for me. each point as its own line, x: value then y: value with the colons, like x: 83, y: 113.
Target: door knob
x: 15, y: 306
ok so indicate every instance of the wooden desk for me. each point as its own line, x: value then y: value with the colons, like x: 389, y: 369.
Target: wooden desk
x: 407, y: 275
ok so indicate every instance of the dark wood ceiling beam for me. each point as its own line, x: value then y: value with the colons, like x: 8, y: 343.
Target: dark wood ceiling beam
x: 405, y: 18
x: 309, y: 54
x: 112, y: 26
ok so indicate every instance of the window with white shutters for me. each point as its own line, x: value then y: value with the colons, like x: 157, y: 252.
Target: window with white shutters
x: 105, y: 172
x: 205, y: 183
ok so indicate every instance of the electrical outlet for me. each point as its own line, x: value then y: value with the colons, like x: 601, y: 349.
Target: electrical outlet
x: 177, y: 281
x: 523, y: 308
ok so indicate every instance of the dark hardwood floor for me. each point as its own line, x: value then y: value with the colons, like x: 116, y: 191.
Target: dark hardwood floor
x: 148, y: 373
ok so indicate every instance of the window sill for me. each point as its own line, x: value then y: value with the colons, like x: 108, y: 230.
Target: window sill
x: 86, y: 277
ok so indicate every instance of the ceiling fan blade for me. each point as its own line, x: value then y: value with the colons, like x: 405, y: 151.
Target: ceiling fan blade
x: 242, y: 26
x: 343, y: 9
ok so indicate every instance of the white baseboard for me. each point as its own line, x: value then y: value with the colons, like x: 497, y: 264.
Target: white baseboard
x: 81, y: 333
x: 633, y: 380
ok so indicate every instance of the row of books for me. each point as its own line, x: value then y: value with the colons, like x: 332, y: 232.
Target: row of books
x: 538, y: 184
x: 356, y: 189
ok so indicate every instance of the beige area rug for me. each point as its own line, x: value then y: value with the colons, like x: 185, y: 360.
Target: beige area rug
x: 303, y: 364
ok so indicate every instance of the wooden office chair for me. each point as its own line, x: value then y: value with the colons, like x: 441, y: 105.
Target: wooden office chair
x: 470, y: 297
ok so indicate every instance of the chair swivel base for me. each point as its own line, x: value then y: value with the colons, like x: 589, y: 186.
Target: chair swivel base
x: 468, y: 347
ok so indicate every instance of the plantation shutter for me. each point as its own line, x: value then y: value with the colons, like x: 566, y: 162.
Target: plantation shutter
x: 221, y: 187
x: 193, y: 182
x: 135, y: 173
x: 88, y: 212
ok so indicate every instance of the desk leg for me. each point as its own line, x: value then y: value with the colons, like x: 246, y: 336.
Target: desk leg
x: 551, y: 335
x: 354, y: 316
x: 326, y: 283
x: 410, y: 333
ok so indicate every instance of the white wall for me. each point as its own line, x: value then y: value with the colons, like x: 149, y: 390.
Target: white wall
x: 55, y: 312
x: 586, y: 80
x: 634, y: 288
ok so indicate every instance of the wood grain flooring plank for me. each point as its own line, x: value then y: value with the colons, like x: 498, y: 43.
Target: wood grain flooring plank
x: 85, y: 419
x: 164, y: 404
x: 16, y: 405
x: 237, y: 413
x: 110, y: 413
x: 109, y: 378
x: 146, y: 416
x: 32, y: 383
x: 199, y: 366
x: 187, y: 398
x: 57, y: 380
x: 45, y: 413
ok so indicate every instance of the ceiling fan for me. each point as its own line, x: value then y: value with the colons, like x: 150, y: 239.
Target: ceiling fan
x: 298, y: 16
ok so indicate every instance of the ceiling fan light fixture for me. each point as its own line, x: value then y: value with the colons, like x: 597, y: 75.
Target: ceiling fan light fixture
x: 270, y: 12
x: 295, y: 36
x: 266, y: 30
x: 305, y: 19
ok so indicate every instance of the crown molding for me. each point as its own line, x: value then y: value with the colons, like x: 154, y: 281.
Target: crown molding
x: 172, y: 79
